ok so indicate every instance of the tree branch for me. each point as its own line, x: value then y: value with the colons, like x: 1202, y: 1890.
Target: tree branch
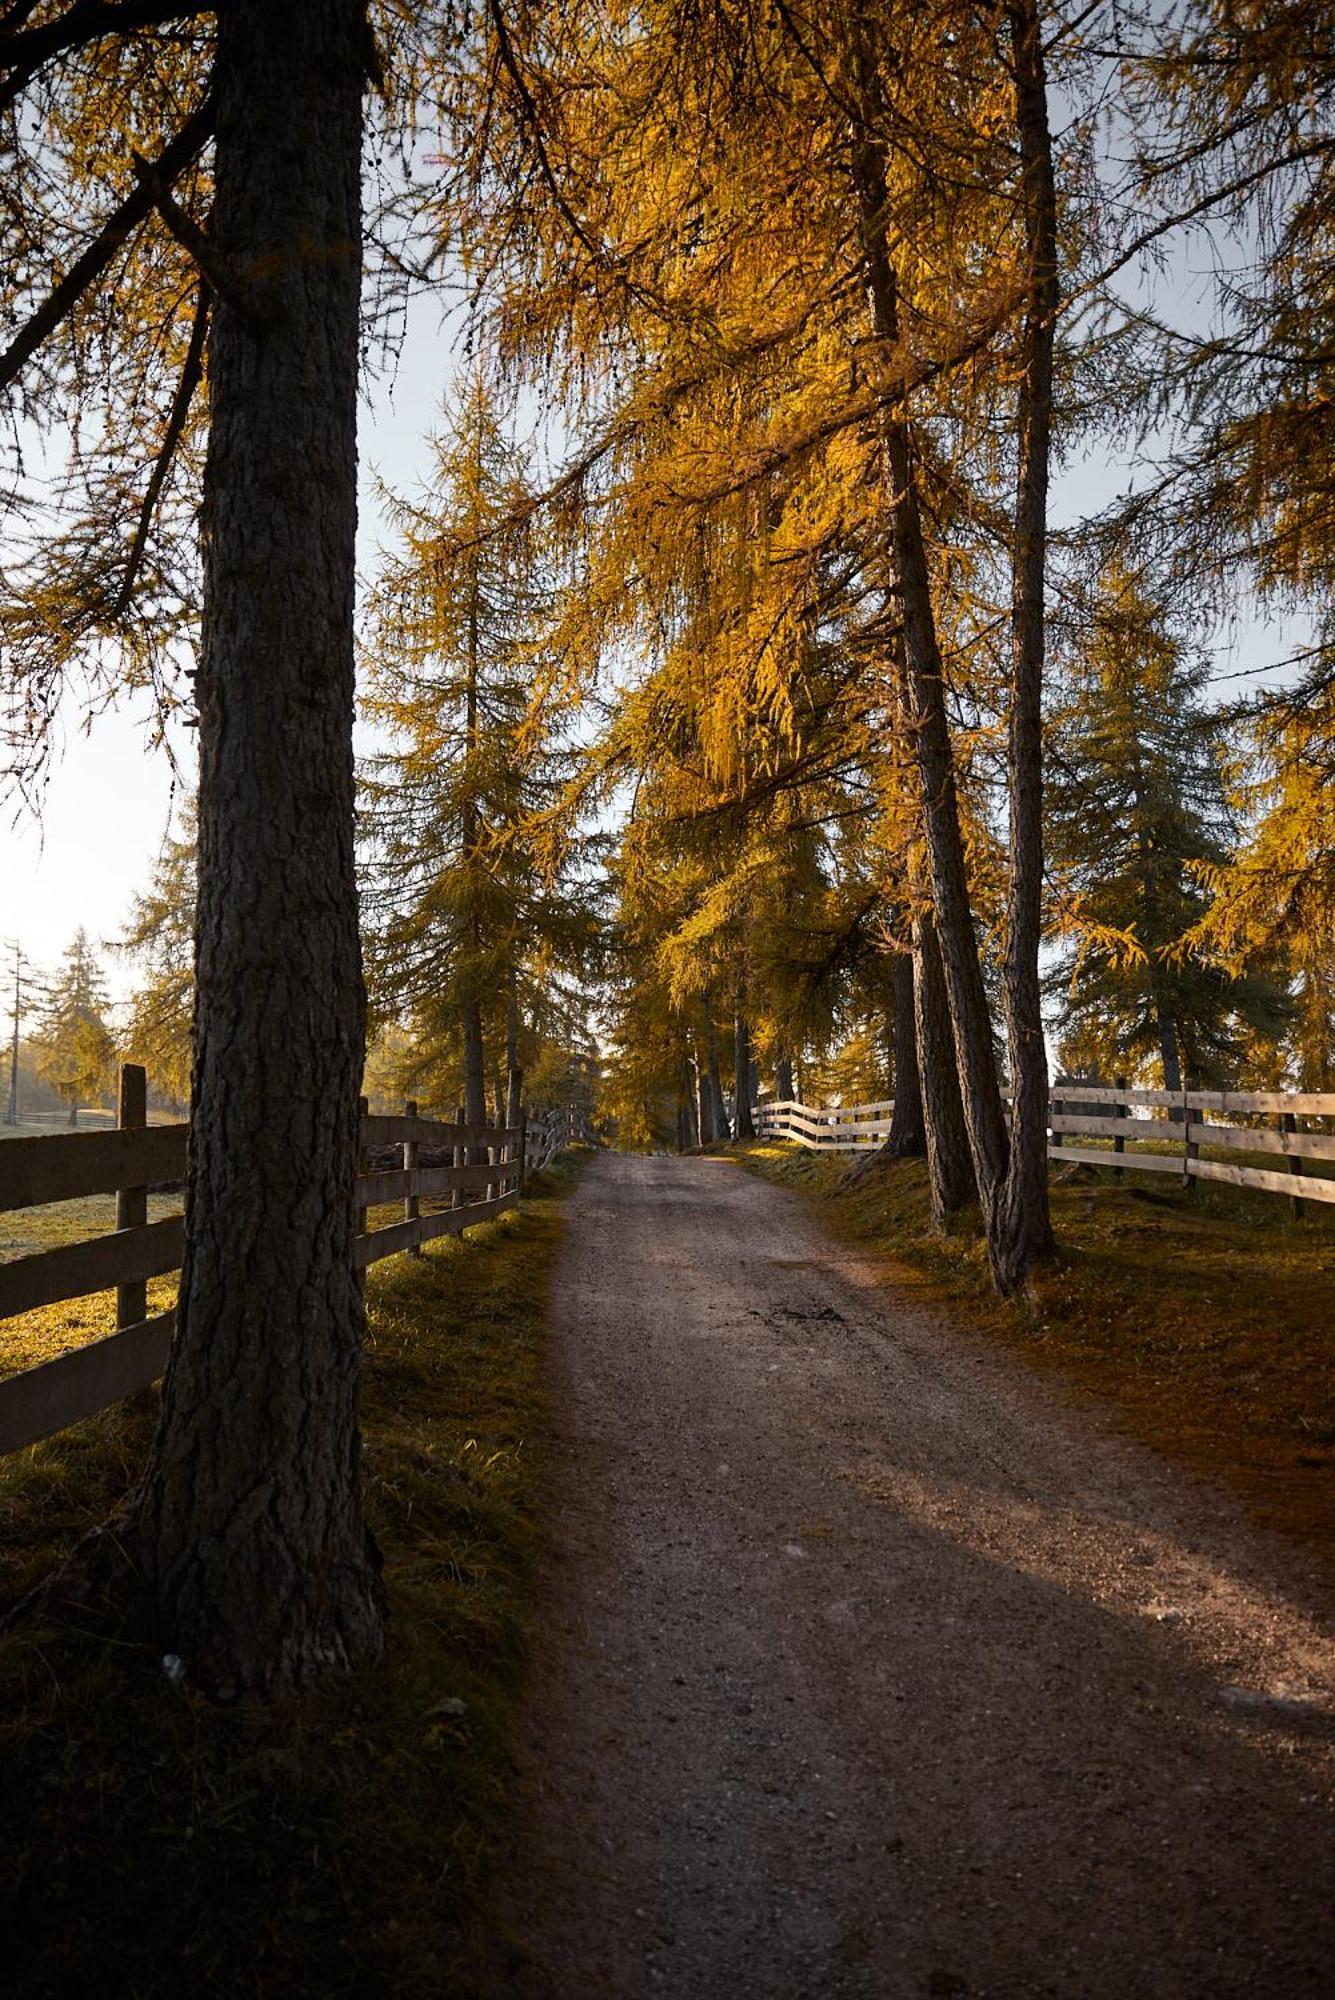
x: 23, y: 53
x: 532, y: 118
x: 1313, y: 149
x: 192, y: 239
x: 191, y: 375
x: 118, y: 226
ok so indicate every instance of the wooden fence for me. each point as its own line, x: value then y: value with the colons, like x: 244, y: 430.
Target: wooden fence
x: 1152, y: 1131
x: 846, y: 1128
x: 463, y: 1189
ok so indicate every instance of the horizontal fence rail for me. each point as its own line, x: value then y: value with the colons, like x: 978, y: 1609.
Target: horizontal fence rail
x: 1151, y: 1131
x: 469, y: 1173
x: 847, y: 1128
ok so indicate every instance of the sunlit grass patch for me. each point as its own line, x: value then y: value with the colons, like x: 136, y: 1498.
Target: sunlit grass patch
x: 156, y: 1844
x: 26, y: 1231
x: 1206, y: 1314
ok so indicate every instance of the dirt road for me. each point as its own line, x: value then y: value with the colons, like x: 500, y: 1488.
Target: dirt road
x: 872, y: 1668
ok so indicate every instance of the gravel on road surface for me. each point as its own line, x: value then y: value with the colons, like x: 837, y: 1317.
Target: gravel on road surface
x: 872, y: 1666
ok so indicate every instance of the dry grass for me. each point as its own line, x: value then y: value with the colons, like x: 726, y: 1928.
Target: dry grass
x: 39, y: 1336
x: 1206, y: 1316
x: 155, y: 1844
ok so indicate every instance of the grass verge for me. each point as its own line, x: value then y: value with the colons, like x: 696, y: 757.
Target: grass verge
x: 156, y: 1844
x: 1207, y: 1317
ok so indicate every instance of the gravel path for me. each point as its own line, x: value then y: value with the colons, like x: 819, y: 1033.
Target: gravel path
x: 873, y: 1668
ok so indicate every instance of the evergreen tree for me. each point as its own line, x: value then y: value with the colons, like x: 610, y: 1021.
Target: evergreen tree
x: 160, y: 938
x: 1137, y: 820
x: 76, y: 1051
x: 474, y: 938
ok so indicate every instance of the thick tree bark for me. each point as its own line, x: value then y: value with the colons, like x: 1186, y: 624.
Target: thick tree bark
x: 1023, y: 1228
x: 783, y: 1080
x: 950, y: 1172
x: 743, y: 1125
x: 248, y: 1523
x: 908, y: 1132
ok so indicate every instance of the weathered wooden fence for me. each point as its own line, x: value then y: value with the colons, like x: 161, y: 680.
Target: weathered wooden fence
x: 1153, y: 1131
x: 468, y: 1173
x: 845, y: 1128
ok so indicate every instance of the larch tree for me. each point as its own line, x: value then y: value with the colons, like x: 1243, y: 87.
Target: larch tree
x: 159, y: 938
x: 74, y: 1046
x: 472, y: 933
x: 838, y: 274
x: 1271, y: 897
x: 202, y: 334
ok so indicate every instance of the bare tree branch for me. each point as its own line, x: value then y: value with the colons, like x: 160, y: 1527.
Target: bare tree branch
x: 23, y: 54
x: 115, y: 230
x: 191, y: 375
x: 224, y: 283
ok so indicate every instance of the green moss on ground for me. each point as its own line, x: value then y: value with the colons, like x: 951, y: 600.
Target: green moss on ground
x: 1207, y: 1316
x: 155, y: 1844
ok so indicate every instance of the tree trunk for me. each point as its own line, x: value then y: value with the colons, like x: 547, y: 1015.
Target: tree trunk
x: 73, y: 1120
x: 949, y: 1159
x: 689, y: 1104
x: 907, y: 1137
x: 743, y: 1126
x: 954, y: 927
x: 721, y: 1127
x: 1168, y: 1049
x: 249, y: 1521
x: 783, y: 1080
x: 474, y: 1050
x: 514, y: 1075
x: 908, y: 1133
x: 475, y: 1073
x: 704, y: 1099
x: 1022, y: 1231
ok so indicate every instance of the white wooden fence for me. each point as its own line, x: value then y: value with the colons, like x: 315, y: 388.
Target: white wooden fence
x: 1153, y: 1131
x: 130, y: 1159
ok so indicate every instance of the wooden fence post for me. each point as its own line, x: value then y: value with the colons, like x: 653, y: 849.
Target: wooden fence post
x: 1288, y: 1123
x: 460, y: 1157
x: 1190, y: 1147
x: 412, y: 1201
x: 1054, y: 1112
x: 132, y: 1202
x: 1120, y: 1111
x: 523, y: 1148
x: 363, y: 1106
